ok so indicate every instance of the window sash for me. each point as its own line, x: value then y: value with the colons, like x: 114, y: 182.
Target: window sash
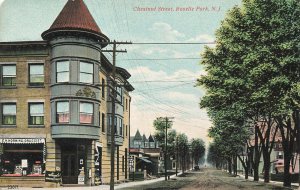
x: 86, y: 78
x: 36, y: 120
x: 62, y: 71
x: 62, y: 112
x: 36, y: 114
x: 9, y: 119
x: 86, y: 112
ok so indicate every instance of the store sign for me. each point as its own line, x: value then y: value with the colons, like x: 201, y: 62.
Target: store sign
x: 22, y: 141
x: 24, y: 163
x: 53, y: 176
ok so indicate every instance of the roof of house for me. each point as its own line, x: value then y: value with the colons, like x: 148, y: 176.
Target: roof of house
x: 144, y: 138
x: 151, y: 138
x: 75, y: 17
x: 138, y: 135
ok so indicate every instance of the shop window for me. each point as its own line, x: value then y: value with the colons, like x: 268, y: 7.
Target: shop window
x: 22, y: 160
x: 62, y: 112
x: 62, y: 71
x: 86, y: 112
x: 8, y: 75
x: 36, y: 113
x: 86, y: 72
x: 9, y: 112
x: 36, y: 74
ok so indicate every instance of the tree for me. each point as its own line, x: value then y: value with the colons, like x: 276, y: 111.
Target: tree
x: 253, y: 74
x: 183, y: 150
x: 198, y: 149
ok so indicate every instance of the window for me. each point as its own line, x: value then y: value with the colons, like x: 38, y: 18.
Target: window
x: 126, y: 130
x: 123, y: 130
x: 13, y: 155
x: 36, y: 113
x: 103, y: 122
x: 8, y: 75
x: 86, y: 72
x: 62, y: 71
x: 36, y: 75
x: 126, y: 104
x: 123, y: 158
x: 119, y: 94
x: 86, y: 112
x: 116, y: 124
x: 121, y: 127
x: 103, y: 88
x: 9, y: 112
x: 62, y: 112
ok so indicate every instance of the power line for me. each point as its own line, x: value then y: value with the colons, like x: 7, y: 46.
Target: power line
x: 162, y: 59
x: 171, y: 43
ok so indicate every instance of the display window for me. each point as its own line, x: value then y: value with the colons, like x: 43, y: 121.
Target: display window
x: 22, y: 160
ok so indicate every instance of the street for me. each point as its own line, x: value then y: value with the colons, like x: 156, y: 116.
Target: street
x: 207, y: 179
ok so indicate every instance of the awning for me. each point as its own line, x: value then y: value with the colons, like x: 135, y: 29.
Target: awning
x: 25, y: 141
x: 145, y: 160
x: 22, y: 141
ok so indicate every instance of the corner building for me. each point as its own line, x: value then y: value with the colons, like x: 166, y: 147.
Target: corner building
x: 56, y: 106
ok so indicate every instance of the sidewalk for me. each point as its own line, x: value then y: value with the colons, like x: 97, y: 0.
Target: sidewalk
x: 262, y: 180
x: 104, y: 187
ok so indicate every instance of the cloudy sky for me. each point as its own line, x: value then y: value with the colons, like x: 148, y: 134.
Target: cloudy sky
x: 163, y: 75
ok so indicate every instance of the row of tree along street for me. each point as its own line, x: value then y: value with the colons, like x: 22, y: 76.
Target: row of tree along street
x: 253, y: 85
x: 187, y: 153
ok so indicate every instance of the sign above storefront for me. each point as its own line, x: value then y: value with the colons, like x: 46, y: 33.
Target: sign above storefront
x: 22, y: 141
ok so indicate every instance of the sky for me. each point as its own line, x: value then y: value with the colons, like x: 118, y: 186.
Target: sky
x: 164, y: 76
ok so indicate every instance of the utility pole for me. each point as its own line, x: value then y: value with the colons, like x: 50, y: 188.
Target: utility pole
x: 113, y: 102
x: 167, y: 120
x: 177, y: 157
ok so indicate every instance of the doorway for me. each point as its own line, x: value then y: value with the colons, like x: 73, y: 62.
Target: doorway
x: 69, y: 169
x: 73, y: 161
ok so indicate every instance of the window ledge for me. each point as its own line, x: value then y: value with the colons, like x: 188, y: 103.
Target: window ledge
x: 8, y: 87
x: 36, y: 126
x: 8, y: 126
x: 35, y: 86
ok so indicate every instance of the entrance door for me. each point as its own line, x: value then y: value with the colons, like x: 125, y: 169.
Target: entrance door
x: 69, y: 169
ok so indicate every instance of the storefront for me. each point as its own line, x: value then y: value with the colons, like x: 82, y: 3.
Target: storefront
x: 74, y: 166
x: 22, y: 157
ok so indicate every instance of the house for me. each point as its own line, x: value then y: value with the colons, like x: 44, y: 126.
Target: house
x: 145, y: 154
x: 55, y: 104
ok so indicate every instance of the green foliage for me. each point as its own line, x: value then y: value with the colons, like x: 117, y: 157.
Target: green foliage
x: 253, y: 71
x: 198, y: 149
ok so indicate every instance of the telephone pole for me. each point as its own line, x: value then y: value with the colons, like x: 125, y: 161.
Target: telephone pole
x: 167, y: 120
x: 113, y: 96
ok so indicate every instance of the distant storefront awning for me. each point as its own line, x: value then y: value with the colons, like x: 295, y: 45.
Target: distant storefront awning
x: 145, y: 160
x: 22, y: 141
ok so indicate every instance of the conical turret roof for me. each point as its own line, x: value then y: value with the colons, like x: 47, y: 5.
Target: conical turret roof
x: 75, y: 17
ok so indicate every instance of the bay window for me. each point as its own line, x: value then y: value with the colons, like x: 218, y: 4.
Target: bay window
x: 62, y: 112
x: 86, y: 112
x: 62, y: 71
x: 9, y: 112
x: 86, y: 72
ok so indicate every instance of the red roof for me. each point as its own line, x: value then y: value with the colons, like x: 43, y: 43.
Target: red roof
x: 75, y: 16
